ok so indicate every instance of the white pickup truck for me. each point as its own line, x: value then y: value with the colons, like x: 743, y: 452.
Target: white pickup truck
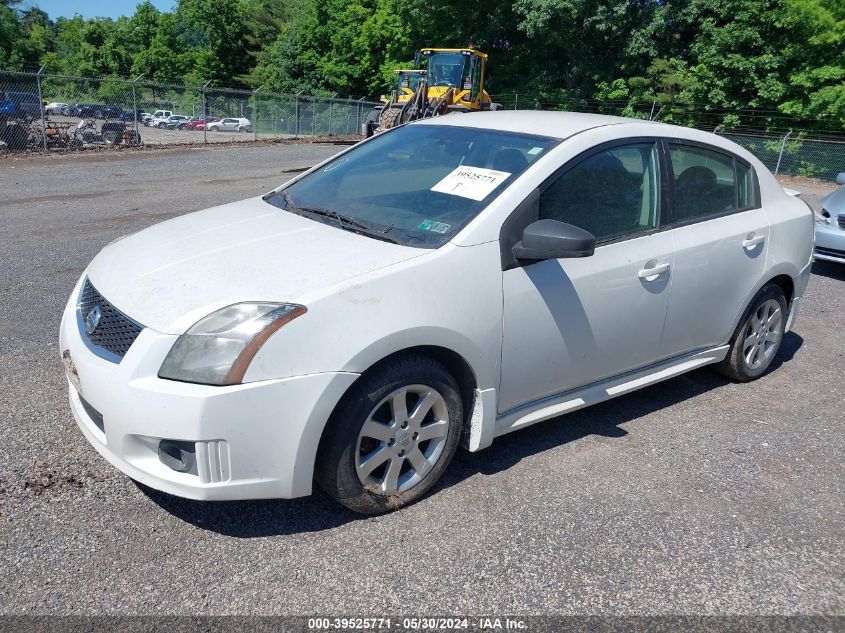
x: 157, y: 117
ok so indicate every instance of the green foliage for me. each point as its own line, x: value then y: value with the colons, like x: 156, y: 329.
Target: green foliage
x: 676, y: 60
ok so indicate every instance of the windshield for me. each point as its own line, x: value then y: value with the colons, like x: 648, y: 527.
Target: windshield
x: 446, y: 69
x: 409, y: 81
x: 416, y: 185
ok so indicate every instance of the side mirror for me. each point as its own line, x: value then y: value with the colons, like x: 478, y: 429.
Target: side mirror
x: 551, y: 239
x: 840, y: 178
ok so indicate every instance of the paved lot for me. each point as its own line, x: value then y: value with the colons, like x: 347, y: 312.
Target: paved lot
x: 693, y: 496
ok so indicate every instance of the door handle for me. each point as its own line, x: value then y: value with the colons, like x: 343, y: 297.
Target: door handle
x: 752, y: 240
x: 654, y: 271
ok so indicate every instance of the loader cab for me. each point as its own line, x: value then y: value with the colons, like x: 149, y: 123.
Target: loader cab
x: 458, y: 70
x: 407, y: 81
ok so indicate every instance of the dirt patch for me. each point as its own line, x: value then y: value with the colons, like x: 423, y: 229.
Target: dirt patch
x: 801, y: 181
x: 46, y: 477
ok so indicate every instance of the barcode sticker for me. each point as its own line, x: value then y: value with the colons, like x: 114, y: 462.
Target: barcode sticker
x: 474, y: 183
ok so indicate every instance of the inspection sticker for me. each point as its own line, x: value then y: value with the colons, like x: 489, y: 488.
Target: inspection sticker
x: 435, y: 227
x: 474, y: 183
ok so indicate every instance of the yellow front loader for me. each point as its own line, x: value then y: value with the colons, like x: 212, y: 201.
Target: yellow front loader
x: 452, y: 81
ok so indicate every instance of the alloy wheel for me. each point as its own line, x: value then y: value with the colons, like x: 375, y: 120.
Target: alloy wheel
x: 762, y: 334
x: 402, y: 439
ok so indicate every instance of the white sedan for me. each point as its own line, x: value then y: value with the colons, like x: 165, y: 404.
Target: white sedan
x: 830, y: 225
x: 230, y: 124
x: 449, y: 281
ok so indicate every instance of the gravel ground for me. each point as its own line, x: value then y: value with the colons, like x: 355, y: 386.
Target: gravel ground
x: 693, y: 496
x: 156, y: 136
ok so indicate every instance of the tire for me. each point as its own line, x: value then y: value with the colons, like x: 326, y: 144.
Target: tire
x: 111, y: 137
x: 161, y: 126
x: 365, y: 435
x: 16, y: 137
x: 372, y: 115
x: 390, y: 117
x: 758, y: 337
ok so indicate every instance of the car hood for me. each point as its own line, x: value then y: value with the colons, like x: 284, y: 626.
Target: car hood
x: 834, y: 202
x: 172, y: 274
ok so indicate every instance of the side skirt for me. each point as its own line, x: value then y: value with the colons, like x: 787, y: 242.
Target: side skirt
x: 533, y: 412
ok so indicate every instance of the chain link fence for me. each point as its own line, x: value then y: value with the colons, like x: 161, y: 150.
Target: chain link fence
x: 794, y: 155
x: 795, y: 152
x: 46, y: 111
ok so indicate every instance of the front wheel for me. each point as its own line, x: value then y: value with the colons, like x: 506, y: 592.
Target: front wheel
x: 758, y: 337
x: 392, y: 436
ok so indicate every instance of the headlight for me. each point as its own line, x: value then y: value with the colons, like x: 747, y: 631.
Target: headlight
x: 217, y: 349
x: 823, y: 217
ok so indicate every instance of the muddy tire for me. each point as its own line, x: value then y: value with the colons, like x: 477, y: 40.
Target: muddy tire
x: 392, y: 435
x: 16, y: 137
x: 389, y: 118
x: 758, y: 337
x: 111, y: 137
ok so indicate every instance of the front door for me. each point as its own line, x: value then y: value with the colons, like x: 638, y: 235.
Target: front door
x: 571, y: 322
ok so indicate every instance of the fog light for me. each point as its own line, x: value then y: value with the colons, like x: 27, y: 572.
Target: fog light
x: 177, y: 455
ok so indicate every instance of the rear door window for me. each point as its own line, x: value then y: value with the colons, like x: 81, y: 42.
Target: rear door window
x: 708, y: 183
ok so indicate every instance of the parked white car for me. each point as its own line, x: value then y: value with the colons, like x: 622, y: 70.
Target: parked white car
x: 830, y: 225
x: 157, y: 117
x: 230, y: 124
x: 56, y: 107
x: 450, y: 280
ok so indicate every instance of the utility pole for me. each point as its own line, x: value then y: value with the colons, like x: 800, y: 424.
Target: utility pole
x: 41, y: 107
x: 331, y: 114
x: 204, y: 115
x: 296, y: 112
x: 782, y: 147
x: 135, y: 104
x: 255, y: 112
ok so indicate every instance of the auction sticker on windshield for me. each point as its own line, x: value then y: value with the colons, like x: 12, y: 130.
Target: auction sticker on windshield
x: 474, y: 183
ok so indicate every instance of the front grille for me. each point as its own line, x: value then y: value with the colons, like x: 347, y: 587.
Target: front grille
x: 115, y: 332
x: 841, y: 220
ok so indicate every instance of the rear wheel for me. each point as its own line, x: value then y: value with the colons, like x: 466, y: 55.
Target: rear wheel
x: 392, y: 436
x: 758, y: 337
x: 111, y: 137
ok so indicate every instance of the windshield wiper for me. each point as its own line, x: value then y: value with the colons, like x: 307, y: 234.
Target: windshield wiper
x: 345, y: 222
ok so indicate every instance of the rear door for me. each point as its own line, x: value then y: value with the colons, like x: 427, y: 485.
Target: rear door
x: 721, y: 233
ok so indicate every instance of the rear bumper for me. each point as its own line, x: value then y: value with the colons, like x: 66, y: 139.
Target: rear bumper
x: 801, y: 283
x: 256, y: 440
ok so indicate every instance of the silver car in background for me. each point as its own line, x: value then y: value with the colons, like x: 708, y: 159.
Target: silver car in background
x: 830, y: 225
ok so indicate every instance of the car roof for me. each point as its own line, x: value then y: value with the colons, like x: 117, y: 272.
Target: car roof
x: 563, y: 125
x: 541, y: 122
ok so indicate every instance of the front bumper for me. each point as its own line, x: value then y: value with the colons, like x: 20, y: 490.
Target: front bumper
x: 830, y: 242
x: 256, y: 440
